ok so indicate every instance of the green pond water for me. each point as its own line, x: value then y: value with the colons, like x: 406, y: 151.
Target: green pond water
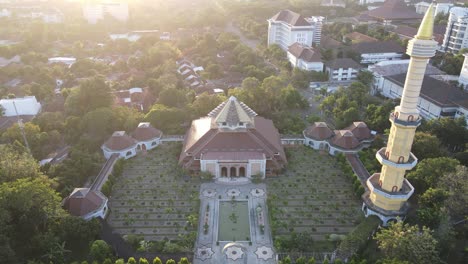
x: 233, y: 221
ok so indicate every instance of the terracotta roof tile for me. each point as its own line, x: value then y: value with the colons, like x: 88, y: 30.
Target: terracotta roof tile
x: 83, y: 201
x: 357, y: 37
x: 345, y: 139
x: 319, y: 131
x: 304, y: 53
x: 119, y: 141
x: 394, y: 9
x: 145, y: 132
x: 360, y: 130
x: 290, y: 17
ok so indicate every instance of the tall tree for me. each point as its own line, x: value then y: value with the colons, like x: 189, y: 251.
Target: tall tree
x: 405, y: 242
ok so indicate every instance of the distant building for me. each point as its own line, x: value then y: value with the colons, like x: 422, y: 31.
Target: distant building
x: 456, y: 33
x: 463, y: 78
x: 5, y: 62
x: 347, y: 141
x: 305, y: 58
x: 233, y: 142
x: 333, y: 3
x: 366, y: 2
x: 86, y: 203
x: 442, y: 6
x: 388, y: 68
x: 437, y: 98
x: 391, y: 12
x: 5, y: 13
x: 373, y: 52
x: 20, y: 106
x: 94, y: 12
x: 357, y: 37
x: 69, y: 61
x: 342, y: 69
x: 287, y: 27
x: 407, y: 33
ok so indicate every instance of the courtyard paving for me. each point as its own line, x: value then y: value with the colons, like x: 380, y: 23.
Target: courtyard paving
x: 255, y: 249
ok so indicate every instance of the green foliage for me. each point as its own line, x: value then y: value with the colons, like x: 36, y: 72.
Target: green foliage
x: 92, y: 94
x: 297, y: 242
x: 170, y: 261
x: 24, y: 226
x: 16, y: 164
x: 451, y: 132
x: 288, y: 123
x: 426, y: 146
x: 376, y: 116
x: 168, y: 119
x: 344, y: 105
x: 358, y: 237
x: 183, y: 261
x: 157, y: 260
x: 428, y: 172
x: 205, y: 102
x: 365, y: 77
x: 143, y: 261
x: 131, y: 260
x: 404, y: 242
x: 100, y: 250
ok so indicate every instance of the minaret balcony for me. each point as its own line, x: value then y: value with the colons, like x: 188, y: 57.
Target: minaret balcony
x: 409, y: 123
x: 373, y: 183
x: 383, y: 159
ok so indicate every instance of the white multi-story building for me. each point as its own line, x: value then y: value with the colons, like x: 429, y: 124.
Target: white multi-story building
x: 305, y: 58
x: 287, y: 27
x: 20, y: 106
x: 442, y: 7
x: 366, y: 2
x: 463, y: 78
x: 456, y: 34
x: 97, y: 11
x: 437, y: 98
x: 344, y: 69
x: 373, y: 52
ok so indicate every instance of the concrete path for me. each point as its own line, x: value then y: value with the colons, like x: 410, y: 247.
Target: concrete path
x: 104, y: 173
x: 208, y: 250
x: 359, y: 169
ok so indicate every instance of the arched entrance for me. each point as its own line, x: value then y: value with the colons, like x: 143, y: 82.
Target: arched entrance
x: 233, y: 172
x: 223, y: 172
x: 143, y: 147
x: 241, y: 172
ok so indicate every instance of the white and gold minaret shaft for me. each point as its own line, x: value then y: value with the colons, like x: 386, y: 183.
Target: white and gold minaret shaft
x: 389, y: 190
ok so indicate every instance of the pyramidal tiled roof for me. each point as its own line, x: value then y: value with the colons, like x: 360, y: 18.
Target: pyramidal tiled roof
x: 232, y: 112
x: 290, y: 17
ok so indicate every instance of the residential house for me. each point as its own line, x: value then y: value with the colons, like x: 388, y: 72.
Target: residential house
x: 373, y: 52
x: 305, y: 58
x: 342, y: 69
x: 288, y: 27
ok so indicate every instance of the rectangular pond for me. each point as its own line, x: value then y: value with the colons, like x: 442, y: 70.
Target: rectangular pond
x: 234, y: 222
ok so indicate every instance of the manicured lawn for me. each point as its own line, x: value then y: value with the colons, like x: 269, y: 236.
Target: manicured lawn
x: 153, y: 198
x: 312, y: 196
x: 234, y: 221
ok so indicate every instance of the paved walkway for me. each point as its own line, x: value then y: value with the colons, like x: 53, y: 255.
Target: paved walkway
x: 358, y: 168
x: 104, y: 173
x: 208, y: 250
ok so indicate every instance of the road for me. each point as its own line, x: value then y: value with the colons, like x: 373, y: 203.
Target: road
x: 251, y: 43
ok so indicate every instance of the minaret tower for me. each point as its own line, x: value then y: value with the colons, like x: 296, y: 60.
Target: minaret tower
x: 389, y: 191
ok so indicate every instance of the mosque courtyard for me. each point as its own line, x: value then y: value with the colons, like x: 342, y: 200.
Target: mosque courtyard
x: 238, y: 221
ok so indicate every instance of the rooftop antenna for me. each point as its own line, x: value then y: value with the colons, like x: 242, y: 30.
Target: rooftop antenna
x: 21, y: 127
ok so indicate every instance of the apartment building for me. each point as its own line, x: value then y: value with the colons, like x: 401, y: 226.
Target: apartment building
x: 456, y: 33
x: 97, y: 11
